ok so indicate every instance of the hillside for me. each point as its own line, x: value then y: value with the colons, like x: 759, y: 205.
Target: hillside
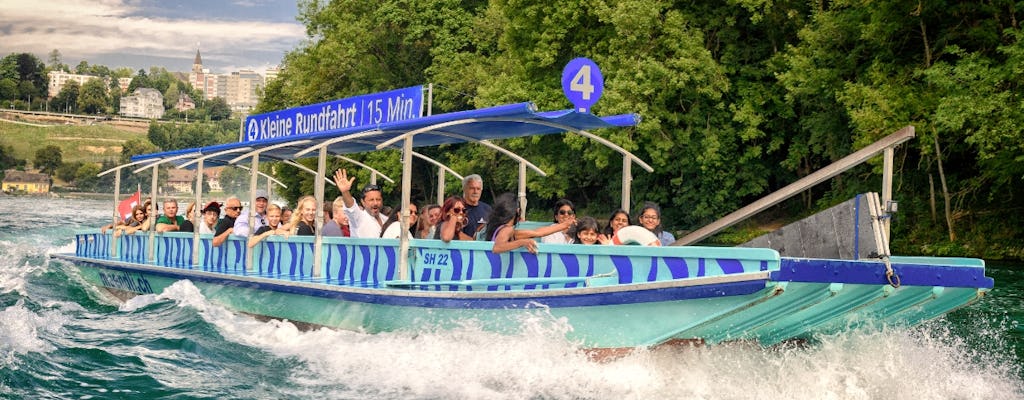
x: 79, y: 142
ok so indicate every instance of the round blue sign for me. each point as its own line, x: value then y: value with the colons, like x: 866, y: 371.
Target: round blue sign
x: 582, y: 83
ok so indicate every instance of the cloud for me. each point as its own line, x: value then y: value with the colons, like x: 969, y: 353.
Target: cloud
x: 83, y: 29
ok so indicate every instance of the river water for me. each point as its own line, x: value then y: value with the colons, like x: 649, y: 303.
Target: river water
x: 62, y: 338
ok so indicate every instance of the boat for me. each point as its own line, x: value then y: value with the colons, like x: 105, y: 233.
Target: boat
x: 825, y: 274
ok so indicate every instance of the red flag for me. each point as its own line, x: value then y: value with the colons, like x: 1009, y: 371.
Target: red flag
x: 125, y: 208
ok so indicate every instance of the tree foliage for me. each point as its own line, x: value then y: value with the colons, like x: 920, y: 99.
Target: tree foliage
x: 738, y: 98
x: 48, y: 159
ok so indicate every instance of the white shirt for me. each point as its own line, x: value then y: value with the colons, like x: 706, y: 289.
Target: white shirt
x: 556, y: 238
x: 242, y: 224
x: 361, y: 223
x: 205, y: 229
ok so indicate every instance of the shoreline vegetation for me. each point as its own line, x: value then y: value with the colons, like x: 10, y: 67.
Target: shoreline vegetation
x: 725, y: 119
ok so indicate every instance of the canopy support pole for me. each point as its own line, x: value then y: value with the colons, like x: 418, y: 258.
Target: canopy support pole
x: 522, y: 189
x: 887, y: 156
x: 440, y: 186
x: 152, y: 216
x: 318, y: 220
x: 117, y: 213
x: 197, y: 212
x: 254, y: 182
x: 627, y: 181
x: 403, y: 247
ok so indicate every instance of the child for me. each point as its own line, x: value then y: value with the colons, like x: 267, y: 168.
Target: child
x: 587, y: 232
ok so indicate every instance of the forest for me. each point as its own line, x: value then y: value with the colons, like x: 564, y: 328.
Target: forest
x: 738, y: 98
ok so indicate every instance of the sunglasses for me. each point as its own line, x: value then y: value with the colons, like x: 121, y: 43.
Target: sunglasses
x: 233, y: 208
x: 370, y: 188
x: 457, y: 210
x: 566, y: 212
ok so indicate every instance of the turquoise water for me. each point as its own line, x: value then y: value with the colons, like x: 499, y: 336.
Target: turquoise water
x: 62, y: 338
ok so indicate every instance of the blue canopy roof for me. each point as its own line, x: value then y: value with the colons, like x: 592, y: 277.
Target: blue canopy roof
x: 500, y: 122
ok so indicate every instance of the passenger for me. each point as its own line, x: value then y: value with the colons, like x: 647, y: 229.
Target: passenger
x: 170, y: 221
x: 226, y: 225
x: 618, y: 220
x: 242, y: 221
x: 304, y: 219
x: 477, y: 211
x: 286, y: 214
x: 187, y: 226
x: 328, y: 211
x: 393, y: 228
x: 339, y: 225
x: 119, y: 223
x: 367, y: 221
x: 501, y: 227
x: 429, y: 216
x: 453, y: 219
x: 650, y: 218
x: 586, y: 232
x: 563, y: 210
x: 273, y: 226
x: 139, y: 221
x: 210, y: 215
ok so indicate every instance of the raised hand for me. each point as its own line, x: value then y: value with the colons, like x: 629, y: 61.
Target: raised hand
x: 343, y: 181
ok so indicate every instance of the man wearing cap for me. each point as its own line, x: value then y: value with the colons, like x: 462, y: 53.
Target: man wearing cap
x: 477, y: 211
x: 242, y: 222
x: 365, y: 222
x: 210, y: 215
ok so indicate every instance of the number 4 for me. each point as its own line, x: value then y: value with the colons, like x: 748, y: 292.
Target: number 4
x: 581, y: 82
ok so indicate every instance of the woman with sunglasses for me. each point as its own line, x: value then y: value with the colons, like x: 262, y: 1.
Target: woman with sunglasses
x: 501, y: 227
x: 453, y: 218
x: 564, y: 211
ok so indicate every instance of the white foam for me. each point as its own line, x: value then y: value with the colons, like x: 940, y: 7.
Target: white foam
x: 467, y: 362
x: 20, y: 330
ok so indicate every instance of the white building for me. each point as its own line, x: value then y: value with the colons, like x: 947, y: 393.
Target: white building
x: 144, y: 103
x: 60, y: 78
x: 240, y: 89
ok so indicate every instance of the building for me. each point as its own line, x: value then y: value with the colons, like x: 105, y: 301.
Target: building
x: 243, y: 90
x: 144, y: 103
x: 181, y: 180
x: 123, y: 83
x: 185, y: 102
x: 271, y: 74
x: 212, y: 176
x: 240, y: 89
x: 60, y: 78
x: 25, y: 182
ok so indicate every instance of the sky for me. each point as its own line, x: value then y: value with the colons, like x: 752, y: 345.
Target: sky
x: 139, y: 34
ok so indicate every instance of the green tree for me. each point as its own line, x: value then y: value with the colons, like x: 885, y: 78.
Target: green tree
x: 82, y: 68
x: 140, y: 80
x: 85, y: 177
x: 67, y: 99
x: 8, y: 159
x: 8, y: 89
x: 67, y: 171
x: 171, y: 95
x: 48, y: 159
x: 94, y: 98
x: 218, y: 109
x: 134, y: 147
x: 55, y: 61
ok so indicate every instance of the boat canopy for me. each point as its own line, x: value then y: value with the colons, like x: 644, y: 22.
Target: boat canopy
x: 499, y: 122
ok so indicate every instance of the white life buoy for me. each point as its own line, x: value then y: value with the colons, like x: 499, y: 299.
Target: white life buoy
x: 634, y: 234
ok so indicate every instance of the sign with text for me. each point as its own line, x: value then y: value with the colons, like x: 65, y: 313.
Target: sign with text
x: 365, y: 110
